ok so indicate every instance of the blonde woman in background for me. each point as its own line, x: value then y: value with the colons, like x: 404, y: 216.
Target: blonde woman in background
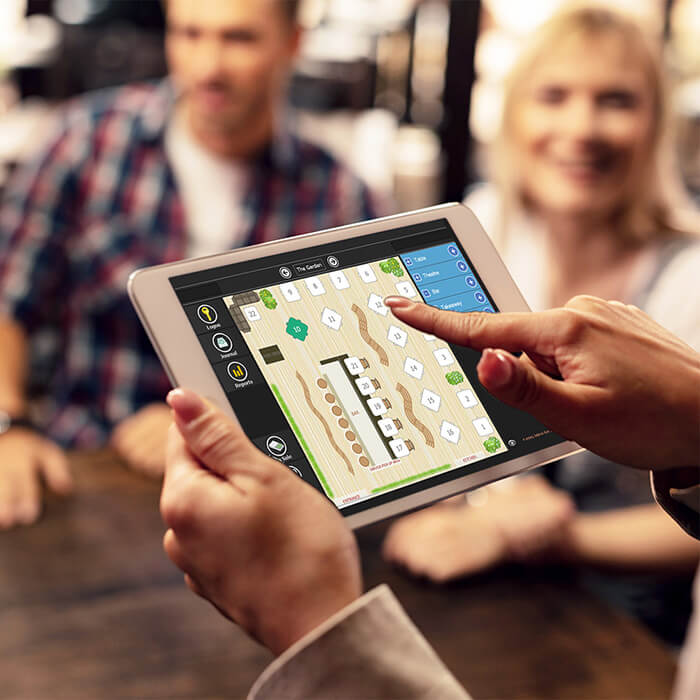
x: 583, y: 201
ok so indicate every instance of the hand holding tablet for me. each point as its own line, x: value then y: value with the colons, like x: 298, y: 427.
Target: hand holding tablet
x: 245, y: 513
x: 294, y: 339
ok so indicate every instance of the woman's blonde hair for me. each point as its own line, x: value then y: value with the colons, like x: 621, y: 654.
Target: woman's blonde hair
x: 652, y: 210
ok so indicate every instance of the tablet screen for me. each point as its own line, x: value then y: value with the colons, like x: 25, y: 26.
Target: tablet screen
x: 324, y: 379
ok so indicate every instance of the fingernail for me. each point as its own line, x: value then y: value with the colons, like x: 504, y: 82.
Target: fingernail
x: 396, y: 302
x: 186, y: 404
x: 498, y: 366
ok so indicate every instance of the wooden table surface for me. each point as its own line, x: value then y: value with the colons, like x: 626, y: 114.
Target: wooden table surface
x: 90, y: 607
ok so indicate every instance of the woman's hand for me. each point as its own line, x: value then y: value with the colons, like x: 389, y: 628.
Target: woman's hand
x: 140, y: 439
x: 520, y: 519
x: 600, y: 373
x: 268, y: 550
x: 27, y: 458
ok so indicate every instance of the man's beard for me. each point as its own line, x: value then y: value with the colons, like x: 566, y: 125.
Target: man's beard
x: 236, y: 114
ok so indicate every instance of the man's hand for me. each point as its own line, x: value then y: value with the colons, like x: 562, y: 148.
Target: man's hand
x: 259, y: 543
x: 26, y: 458
x: 518, y: 520
x: 600, y: 373
x: 140, y: 439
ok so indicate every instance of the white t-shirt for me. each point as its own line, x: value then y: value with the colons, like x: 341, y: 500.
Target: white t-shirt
x: 212, y: 190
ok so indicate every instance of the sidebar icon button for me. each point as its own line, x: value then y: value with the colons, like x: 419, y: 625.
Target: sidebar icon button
x: 237, y: 371
x: 276, y: 445
x: 222, y: 342
x: 207, y: 314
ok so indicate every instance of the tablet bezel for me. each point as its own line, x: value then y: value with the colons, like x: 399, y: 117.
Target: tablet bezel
x: 164, y: 319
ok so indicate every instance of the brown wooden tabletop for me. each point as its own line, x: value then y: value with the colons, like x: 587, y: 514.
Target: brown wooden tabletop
x: 90, y: 607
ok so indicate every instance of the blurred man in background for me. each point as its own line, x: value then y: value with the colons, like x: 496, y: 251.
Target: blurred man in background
x: 137, y: 176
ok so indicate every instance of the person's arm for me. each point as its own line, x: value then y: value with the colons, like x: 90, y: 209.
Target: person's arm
x: 369, y: 649
x: 25, y: 456
x: 640, y: 539
x: 515, y: 520
x: 533, y: 522
x: 140, y: 439
x: 35, y: 215
x: 13, y: 367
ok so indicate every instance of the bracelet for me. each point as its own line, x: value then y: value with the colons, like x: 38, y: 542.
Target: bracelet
x: 7, y: 421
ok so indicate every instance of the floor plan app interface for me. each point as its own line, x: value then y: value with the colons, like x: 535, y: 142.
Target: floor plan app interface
x: 375, y: 404
x: 327, y: 381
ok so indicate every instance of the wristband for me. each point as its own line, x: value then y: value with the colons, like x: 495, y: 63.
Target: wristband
x: 7, y: 421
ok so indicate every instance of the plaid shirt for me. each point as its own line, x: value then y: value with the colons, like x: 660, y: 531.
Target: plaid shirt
x: 100, y: 201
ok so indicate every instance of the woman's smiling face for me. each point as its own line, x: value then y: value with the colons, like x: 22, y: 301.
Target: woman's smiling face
x: 582, y: 124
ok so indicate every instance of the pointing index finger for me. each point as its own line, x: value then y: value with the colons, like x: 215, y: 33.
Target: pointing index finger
x: 514, y: 331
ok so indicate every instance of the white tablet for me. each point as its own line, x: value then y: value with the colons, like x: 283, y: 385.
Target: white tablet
x: 293, y: 339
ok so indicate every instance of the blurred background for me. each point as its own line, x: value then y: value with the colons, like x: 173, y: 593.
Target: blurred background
x: 407, y: 92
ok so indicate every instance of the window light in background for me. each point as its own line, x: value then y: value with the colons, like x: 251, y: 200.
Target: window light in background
x: 684, y: 56
x: 429, y: 62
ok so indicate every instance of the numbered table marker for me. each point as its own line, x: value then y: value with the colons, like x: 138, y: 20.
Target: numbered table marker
x: 397, y: 336
x: 443, y: 357
x: 430, y: 400
x: 366, y: 274
x: 377, y: 406
x: 399, y: 448
x: 339, y: 280
x: 290, y: 291
x: 251, y: 313
x: 354, y: 365
x: 331, y: 318
x: 365, y: 385
x: 467, y: 398
x: 413, y: 368
x: 449, y: 432
x: 315, y: 286
x: 406, y: 289
x: 388, y: 427
x: 482, y: 426
x: 376, y: 304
